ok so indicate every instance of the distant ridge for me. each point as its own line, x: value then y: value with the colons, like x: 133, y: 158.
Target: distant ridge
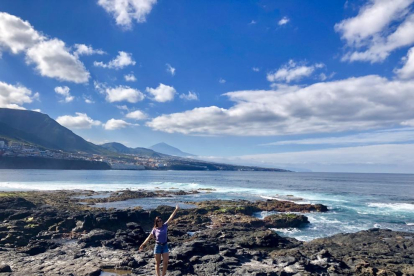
x: 120, y: 148
x: 39, y: 129
x: 170, y: 150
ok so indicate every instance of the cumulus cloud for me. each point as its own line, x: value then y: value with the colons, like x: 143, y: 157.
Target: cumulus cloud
x: 283, y: 21
x: 163, y: 93
x: 17, y: 35
x: 82, y: 49
x: 256, y: 69
x: 53, y: 60
x: 380, y: 27
x: 137, y: 115
x: 191, y: 96
x: 130, y: 77
x: 114, y: 124
x: 221, y: 80
x: 125, y: 11
x: 51, y: 57
x: 407, y: 71
x: 352, y: 104
x: 14, y: 96
x: 80, y: 121
x: 64, y: 91
x: 292, y: 71
x: 122, y: 60
x: 170, y: 69
x: 123, y: 93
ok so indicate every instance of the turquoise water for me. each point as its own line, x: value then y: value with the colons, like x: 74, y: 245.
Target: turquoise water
x: 356, y: 201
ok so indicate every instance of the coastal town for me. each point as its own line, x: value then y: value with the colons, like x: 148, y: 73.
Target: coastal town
x: 121, y: 162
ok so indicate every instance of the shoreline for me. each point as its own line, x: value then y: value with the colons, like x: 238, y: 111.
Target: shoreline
x: 217, y: 237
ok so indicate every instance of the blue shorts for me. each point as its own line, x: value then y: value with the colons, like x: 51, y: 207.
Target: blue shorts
x: 160, y: 249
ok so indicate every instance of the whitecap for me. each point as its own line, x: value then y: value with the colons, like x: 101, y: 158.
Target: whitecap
x: 393, y: 206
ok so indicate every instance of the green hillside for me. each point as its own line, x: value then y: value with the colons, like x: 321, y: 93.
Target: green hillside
x: 39, y: 129
x: 120, y: 148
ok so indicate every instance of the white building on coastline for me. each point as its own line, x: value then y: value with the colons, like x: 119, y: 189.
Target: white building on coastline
x: 2, y: 144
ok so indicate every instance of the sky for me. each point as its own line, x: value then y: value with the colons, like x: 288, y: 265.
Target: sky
x: 304, y: 85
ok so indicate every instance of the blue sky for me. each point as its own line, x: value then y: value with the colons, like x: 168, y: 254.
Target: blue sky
x: 314, y: 85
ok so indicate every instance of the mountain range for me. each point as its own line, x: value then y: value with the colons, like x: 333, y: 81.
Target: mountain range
x: 39, y: 129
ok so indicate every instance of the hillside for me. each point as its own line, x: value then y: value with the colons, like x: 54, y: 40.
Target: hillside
x: 170, y: 150
x: 120, y: 148
x: 39, y: 129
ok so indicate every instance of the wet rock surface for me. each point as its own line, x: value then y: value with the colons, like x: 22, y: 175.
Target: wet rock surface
x: 52, y: 234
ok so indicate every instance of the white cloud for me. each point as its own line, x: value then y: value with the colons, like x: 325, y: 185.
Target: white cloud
x: 221, y: 80
x: 407, y: 71
x: 381, y: 27
x: 17, y: 35
x: 163, y: 93
x: 51, y: 57
x: 14, y: 96
x: 283, y: 21
x: 408, y: 123
x: 256, y: 69
x: 191, y: 96
x: 351, y: 104
x: 377, y: 137
x: 82, y: 49
x: 88, y: 99
x: 292, y: 71
x: 124, y: 11
x: 122, y: 60
x: 170, y: 69
x: 253, y: 22
x: 53, y: 60
x: 37, y: 110
x: 113, y: 124
x: 123, y: 93
x: 137, y: 115
x: 123, y: 107
x: 130, y: 77
x: 64, y: 91
x: 80, y: 121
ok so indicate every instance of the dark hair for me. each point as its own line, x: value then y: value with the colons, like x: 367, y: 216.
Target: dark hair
x: 155, y: 221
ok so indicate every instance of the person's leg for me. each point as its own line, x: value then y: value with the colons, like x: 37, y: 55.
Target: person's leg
x: 165, y: 257
x: 157, y: 264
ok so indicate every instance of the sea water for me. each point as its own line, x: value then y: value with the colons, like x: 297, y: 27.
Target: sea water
x: 355, y: 201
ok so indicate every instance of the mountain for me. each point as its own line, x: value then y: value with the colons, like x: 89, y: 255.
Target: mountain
x: 170, y: 150
x: 39, y: 129
x: 120, y: 148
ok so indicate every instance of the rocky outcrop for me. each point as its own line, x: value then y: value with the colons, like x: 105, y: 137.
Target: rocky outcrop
x: 286, y: 221
x: 216, y: 238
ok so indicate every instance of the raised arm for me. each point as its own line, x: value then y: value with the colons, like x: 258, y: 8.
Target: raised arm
x: 146, y: 240
x: 172, y: 215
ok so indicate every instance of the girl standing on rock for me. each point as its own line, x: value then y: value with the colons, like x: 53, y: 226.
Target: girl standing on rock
x: 161, y: 247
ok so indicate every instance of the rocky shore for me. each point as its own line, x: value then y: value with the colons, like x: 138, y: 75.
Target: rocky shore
x: 62, y: 233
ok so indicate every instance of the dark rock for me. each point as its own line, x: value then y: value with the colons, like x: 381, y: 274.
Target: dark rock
x: 95, y: 237
x: 15, y: 203
x: 37, y: 247
x: 285, y: 221
x: 5, y: 268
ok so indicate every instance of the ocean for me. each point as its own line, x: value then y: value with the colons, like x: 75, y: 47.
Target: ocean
x: 356, y: 201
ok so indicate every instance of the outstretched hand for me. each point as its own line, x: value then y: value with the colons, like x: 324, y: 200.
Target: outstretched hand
x: 176, y: 207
